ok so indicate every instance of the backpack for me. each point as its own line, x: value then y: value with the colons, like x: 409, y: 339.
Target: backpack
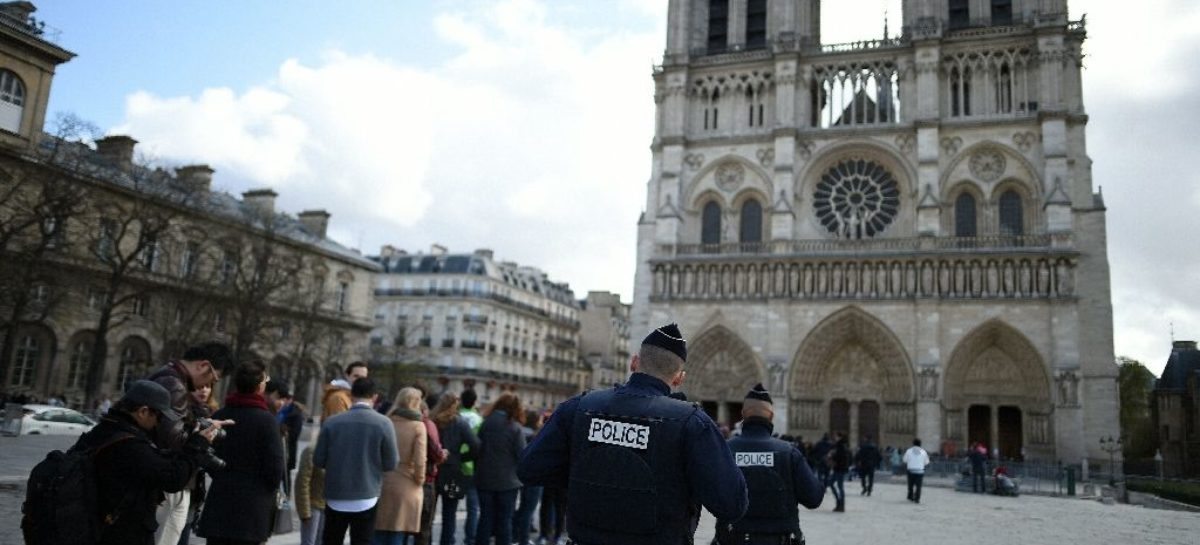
x: 60, y: 499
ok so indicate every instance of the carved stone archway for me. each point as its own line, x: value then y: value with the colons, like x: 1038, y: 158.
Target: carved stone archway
x: 994, y: 371
x: 721, y: 368
x: 854, y: 358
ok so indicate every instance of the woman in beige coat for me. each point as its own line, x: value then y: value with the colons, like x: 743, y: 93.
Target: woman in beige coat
x: 398, y: 514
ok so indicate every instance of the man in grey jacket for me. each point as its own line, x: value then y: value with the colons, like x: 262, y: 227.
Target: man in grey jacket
x: 355, y: 448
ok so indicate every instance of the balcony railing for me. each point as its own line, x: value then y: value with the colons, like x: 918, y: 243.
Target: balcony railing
x: 872, y: 246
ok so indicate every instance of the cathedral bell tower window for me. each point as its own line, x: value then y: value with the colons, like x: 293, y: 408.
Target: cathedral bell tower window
x: 710, y: 224
x: 964, y: 216
x: 756, y: 24
x: 1012, y: 214
x: 960, y: 14
x: 752, y: 223
x: 1002, y: 13
x: 718, y: 26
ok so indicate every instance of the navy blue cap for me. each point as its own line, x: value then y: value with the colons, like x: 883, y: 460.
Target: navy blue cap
x: 669, y: 338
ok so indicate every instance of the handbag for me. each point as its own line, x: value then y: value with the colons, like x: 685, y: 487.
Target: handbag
x: 283, y: 515
x: 451, y: 483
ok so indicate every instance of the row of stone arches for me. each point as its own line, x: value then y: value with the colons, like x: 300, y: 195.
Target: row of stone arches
x: 852, y: 374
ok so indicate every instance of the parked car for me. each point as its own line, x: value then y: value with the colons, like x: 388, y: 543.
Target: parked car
x: 51, y: 420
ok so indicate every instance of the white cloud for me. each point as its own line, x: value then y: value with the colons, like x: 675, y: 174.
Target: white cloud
x: 531, y: 140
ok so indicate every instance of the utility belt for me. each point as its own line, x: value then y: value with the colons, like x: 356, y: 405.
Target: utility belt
x: 743, y: 538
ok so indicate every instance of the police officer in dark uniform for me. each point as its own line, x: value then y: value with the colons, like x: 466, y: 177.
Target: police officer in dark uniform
x: 636, y: 462
x: 778, y: 477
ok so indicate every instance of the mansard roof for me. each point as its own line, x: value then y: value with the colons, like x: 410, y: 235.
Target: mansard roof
x: 479, y: 263
x: 1184, y: 362
x: 81, y: 160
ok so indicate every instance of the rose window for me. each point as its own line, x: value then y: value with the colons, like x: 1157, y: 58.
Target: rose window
x: 856, y: 198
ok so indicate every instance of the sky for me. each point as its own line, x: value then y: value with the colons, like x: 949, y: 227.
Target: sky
x: 524, y: 126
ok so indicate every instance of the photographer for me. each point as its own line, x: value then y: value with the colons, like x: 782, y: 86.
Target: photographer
x: 201, y: 365
x: 131, y: 473
x: 241, y: 501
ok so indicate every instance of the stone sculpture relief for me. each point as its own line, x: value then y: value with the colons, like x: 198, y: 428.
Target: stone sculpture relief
x: 929, y: 383
x: 730, y: 175
x: 988, y: 164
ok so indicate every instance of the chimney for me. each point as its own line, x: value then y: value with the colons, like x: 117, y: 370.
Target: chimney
x: 19, y: 11
x: 261, y: 200
x: 387, y: 251
x: 118, y: 150
x: 484, y: 252
x: 1183, y: 346
x: 316, y: 222
x: 195, y: 176
x: 437, y: 249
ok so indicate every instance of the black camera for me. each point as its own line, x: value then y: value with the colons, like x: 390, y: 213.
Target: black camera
x: 207, y: 457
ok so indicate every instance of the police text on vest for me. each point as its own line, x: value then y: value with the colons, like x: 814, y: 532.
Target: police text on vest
x: 619, y: 433
x: 752, y: 459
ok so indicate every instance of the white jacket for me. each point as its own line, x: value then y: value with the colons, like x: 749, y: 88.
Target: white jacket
x: 916, y: 459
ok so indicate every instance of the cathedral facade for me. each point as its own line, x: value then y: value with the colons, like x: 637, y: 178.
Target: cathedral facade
x: 900, y: 237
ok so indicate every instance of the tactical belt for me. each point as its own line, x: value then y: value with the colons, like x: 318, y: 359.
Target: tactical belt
x: 742, y: 538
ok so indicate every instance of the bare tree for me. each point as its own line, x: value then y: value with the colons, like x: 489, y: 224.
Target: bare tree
x: 38, y: 197
x: 126, y: 229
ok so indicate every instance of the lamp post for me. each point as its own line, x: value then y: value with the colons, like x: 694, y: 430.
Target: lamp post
x: 1112, y: 447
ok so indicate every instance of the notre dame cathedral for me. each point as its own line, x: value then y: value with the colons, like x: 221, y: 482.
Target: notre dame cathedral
x: 900, y: 237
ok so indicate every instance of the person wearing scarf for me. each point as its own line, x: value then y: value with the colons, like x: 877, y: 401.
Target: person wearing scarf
x: 241, y: 500
x: 398, y: 515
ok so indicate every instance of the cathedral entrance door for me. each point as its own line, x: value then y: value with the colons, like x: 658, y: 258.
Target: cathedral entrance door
x: 868, y: 421
x: 839, y: 416
x: 1009, y: 437
x: 735, y: 413
x: 979, y: 426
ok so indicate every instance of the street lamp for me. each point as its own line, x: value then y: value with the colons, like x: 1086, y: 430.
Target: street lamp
x: 1112, y: 447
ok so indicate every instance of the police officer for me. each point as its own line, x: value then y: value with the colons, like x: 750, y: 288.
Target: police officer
x: 636, y: 462
x: 777, y: 476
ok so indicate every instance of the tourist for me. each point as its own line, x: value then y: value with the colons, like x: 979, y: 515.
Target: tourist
x: 839, y: 464
x: 978, y: 458
x: 337, y: 397
x: 867, y: 460
x: 242, y: 499
x: 460, y: 442
x: 915, y: 460
x: 201, y: 365
x: 501, y: 443
x: 310, y: 497
x: 355, y: 448
x: 474, y: 420
x: 530, y: 494
x: 398, y: 515
x: 435, y: 454
x: 203, y: 405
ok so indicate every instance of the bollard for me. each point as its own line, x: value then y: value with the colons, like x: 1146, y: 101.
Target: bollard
x: 1070, y: 481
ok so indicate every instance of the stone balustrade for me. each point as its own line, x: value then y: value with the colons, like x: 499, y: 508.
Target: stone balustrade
x: 948, y: 268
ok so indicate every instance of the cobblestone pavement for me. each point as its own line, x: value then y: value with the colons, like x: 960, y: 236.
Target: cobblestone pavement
x: 943, y: 517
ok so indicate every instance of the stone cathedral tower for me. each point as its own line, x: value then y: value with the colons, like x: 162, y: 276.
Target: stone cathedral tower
x: 901, y: 237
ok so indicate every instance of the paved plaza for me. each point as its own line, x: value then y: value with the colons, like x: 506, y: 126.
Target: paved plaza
x: 943, y: 517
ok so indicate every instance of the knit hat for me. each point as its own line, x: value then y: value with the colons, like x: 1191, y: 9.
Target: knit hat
x: 669, y: 338
x: 758, y: 398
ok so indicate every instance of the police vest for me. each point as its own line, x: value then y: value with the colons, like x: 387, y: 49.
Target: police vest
x: 627, y: 482
x: 767, y: 464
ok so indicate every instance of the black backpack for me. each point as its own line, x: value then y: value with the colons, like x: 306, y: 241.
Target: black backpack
x: 60, y: 499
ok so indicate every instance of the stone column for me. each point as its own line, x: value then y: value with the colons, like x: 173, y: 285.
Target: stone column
x: 995, y: 429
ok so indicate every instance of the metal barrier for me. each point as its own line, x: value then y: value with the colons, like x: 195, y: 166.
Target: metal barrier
x: 1032, y: 477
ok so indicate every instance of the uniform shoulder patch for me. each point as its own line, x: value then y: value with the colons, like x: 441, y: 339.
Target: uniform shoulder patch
x: 622, y: 434
x: 754, y: 459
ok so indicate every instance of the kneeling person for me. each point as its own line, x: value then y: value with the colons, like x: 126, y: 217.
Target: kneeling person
x: 770, y: 466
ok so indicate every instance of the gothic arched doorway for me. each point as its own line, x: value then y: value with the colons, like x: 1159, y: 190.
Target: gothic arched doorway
x: 720, y: 373
x: 998, y: 393
x: 852, y: 375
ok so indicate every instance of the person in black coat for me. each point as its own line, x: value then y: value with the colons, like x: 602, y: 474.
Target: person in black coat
x: 241, y: 501
x: 867, y: 461
x: 501, y: 443
x: 839, y: 465
x: 131, y: 472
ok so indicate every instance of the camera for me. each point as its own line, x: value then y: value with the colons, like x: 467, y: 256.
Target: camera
x: 207, y: 457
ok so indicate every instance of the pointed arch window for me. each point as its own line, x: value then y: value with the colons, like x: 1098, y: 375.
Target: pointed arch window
x: 25, y: 360
x: 710, y: 224
x: 960, y: 14
x: 12, y: 101
x: 1012, y: 214
x: 964, y: 215
x: 751, y: 222
x: 1002, y: 12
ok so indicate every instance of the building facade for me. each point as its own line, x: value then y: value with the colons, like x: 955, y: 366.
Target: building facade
x: 108, y: 267
x: 900, y: 237
x: 604, y: 337
x: 468, y: 321
x: 1176, y: 411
